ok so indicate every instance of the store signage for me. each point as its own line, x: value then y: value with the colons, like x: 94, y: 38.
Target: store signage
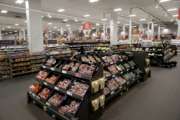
x: 87, y: 25
x: 179, y: 13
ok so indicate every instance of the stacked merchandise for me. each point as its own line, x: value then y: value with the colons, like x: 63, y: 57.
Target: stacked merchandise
x: 5, y: 70
x: 160, y: 56
x: 88, y: 46
x: 20, y: 61
x: 69, y: 90
x: 59, y: 51
x: 37, y: 59
x: 120, y: 71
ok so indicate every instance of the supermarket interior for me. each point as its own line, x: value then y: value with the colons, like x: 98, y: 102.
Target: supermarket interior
x: 89, y: 59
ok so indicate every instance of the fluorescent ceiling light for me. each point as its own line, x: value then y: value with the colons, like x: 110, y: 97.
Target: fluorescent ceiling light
x: 68, y: 25
x: 76, y: 20
x: 9, y: 27
x: 118, y: 22
x: 117, y: 9
x: 132, y: 15
x: 19, y: 2
x: 65, y: 20
x: 104, y: 19
x: 49, y: 23
x: 93, y: 1
x: 4, y: 11
x: 162, y: 1
x: 61, y: 10
x: 97, y: 24
x: 55, y: 27
x: 142, y: 19
x: 87, y: 15
x: 16, y: 24
x: 172, y: 9
x: 175, y: 15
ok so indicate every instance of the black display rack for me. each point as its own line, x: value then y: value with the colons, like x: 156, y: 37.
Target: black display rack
x: 121, y: 70
x: 75, y: 103
x: 160, y: 56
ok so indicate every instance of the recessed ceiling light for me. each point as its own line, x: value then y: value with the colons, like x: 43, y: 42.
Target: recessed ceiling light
x: 16, y: 24
x: 118, y: 22
x: 49, y: 16
x: 132, y: 15
x: 175, y: 15
x: 61, y: 10
x: 65, y: 20
x: 93, y: 1
x: 19, y: 2
x: 49, y: 23
x: 97, y: 24
x: 162, y: 1
x: 104, y: 19
x: 55, y: 27
x: 87, y: 15
x: 117, y: 9
x: 142, y: 19
x: 9, y: 27
x: 68, y: 25
x: 172, y: 9
x: 4, y: 11
x: 76, y: 20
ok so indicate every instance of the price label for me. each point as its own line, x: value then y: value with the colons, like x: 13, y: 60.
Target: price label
x: 48, y: 104
x: 112, y: 92
x: 45, y: 83
x: 64, y: 71
x: 69, y: 93
x: 56, y: 88
x: 53, y: 69
x: 38, y: 97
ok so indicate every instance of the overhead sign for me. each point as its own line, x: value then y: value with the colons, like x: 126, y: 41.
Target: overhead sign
x: 87, y: 25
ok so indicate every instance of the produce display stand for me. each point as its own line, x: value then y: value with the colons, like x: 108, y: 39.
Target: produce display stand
x: 160, y: 56
x: 81, y: 90
x: 121, y: 70
x: 5, y: 69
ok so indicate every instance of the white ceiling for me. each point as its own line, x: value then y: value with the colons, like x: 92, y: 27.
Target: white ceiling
x: 77, y: 8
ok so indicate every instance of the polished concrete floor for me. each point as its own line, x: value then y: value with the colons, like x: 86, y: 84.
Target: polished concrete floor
x: 158, y: 98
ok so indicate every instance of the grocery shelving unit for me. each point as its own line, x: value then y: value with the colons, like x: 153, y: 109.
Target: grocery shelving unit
x: 5, y: 71
x: 37, y: 60
x: 121, y: 70
x: 160, y: 56
x: 69, y: 90
x: 19, y: 61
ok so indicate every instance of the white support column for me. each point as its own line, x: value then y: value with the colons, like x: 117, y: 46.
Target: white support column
x: 159, y: 32
x: 178, y: 30
x: 152, y: 31
x: 130, y: 30
x: 113, y: 30
x: 0, y: 33
x: 34, y: 26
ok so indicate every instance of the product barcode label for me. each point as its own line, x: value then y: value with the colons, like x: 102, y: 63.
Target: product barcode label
x: 69, y: 93
x: 64, y: 72
x: 112, y: 92
x: 56, y: 88
x: 53, y: 69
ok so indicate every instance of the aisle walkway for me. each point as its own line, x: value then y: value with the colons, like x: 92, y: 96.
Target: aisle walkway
x: 156, y: 99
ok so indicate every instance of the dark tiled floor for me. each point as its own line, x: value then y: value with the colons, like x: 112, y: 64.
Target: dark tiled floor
x: 156, y: 99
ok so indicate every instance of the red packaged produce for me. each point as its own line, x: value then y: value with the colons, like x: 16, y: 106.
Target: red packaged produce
x: 79, y: 89
x: 52, y: 79
x: 56, y: 100
x: 112, y: 85
x: 51, y: 61
x: 71, y: 108
x: 115, y: 58
x: 113, y: 69
x: 75, y: 68
x: 64, y: 84
x: 35, y: 88
x: 42, y: 75
x: 44, y: 94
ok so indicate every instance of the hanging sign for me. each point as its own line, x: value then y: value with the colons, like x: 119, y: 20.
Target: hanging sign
x: 87, y: 25
x: 179, y: 13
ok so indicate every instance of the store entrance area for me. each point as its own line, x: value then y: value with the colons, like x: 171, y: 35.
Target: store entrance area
x: 155, y: 99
